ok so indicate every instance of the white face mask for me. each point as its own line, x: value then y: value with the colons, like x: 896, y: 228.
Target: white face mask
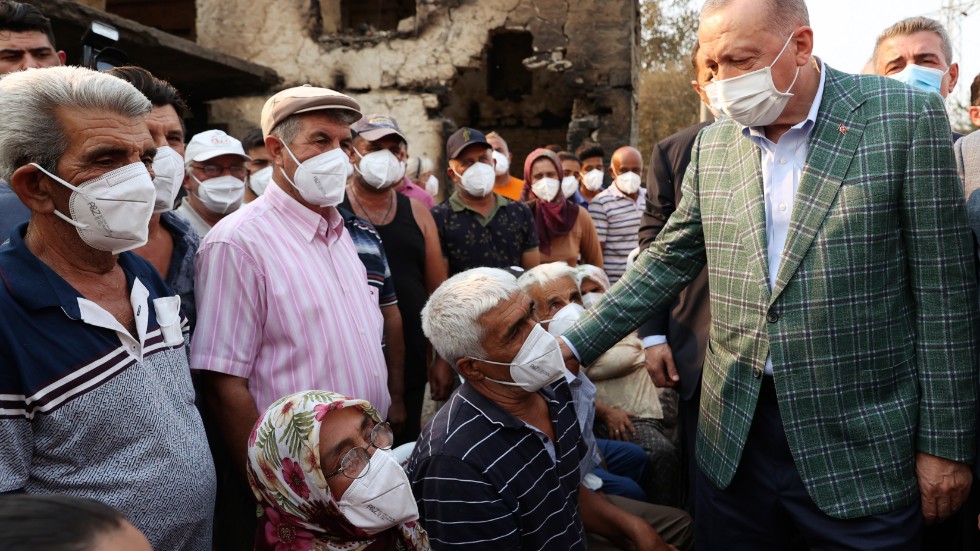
x: 112, y: 212
x: 221, y: 195
x: 628, y: 182
x: 569, y: 185
x: 751, y: 99
x: 593, y: 180
x: 380, y: 169
x: 477, y: 180
x: 380, y: 499
x: 546, y: 188
x: 168, y: 171
x: 432, y: 185
x: 503, y: 163
x: 591, y: 299
x: 565, y: 318
x: 537, y: 364
x: 321, y: 179
x: 259, y: 182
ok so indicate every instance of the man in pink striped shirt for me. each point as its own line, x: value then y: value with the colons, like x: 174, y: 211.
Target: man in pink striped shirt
x: 283, y: 300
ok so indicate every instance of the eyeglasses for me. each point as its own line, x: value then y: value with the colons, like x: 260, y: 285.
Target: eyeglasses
x: 356, y: 462
x: 213, y: 171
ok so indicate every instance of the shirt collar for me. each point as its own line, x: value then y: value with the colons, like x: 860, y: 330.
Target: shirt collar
x: 35, y: 285
x: 309, y: 223
x: 755, y: 133
x: 456, y: 203
x: 492, y: 411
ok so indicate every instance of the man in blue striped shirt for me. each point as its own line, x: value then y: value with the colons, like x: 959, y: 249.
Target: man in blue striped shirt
x: 617, y: 210
x: 498, y: 466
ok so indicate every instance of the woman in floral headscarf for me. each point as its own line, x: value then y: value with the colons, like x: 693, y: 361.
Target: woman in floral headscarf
x: 317, y: 461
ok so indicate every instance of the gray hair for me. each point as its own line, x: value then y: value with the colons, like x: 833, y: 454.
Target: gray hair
x: 494, y: 134
x: 450, y: 320
x: 29, y: 99
x: 594, y: 273
x: 543, y: 274
x: 912, y: 25
x: 289, y: 128
x: 782, y: 14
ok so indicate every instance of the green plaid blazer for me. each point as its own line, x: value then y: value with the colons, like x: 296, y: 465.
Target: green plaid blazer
x: 872, y: 323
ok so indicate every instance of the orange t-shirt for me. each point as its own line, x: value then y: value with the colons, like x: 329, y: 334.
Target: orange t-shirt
x: 511, y: 190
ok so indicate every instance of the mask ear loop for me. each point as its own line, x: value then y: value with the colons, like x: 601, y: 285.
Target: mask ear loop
x: 781, y: 52
x: 77, y: 224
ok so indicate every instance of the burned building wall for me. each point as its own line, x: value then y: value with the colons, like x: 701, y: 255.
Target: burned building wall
x: 537, y: 71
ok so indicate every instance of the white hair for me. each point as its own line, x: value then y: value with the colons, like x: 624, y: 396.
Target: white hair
x: 29, y: 101
x: 543, y: 274
x: 450, y: 320
x: 595, y: 273
x: 417, y: 166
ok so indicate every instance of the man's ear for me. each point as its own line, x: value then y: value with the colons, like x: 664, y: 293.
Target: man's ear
x: 276, y: 151
x: 33, y: 188
x: 954, y: 77
x: 62, y: 56
x: 467, y: 368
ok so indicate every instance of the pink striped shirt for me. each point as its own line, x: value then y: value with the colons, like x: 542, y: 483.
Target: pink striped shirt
x: 283, y: 300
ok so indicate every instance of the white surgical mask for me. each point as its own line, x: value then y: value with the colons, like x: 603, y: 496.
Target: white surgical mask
x: 380, y: 499
x: 503, y: 163
x: 593, y: 180
x: 926, y: 79
x: 565, y: 318
x: 751, y: 99
x: 259, y: 182
x: 591, y: 299
x: 569, y: 185
x: 112, y: 212
x: 221, y: 195
x: 628, y: 182
x: 168, y: 175
x: 380, y: 169
x: 432, y: 185
x: 537, y: 364
x: 546, y: 188
x: 477, y: 180
x: 321, y: 179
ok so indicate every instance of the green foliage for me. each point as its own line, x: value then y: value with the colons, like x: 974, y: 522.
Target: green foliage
x: 667, y: 104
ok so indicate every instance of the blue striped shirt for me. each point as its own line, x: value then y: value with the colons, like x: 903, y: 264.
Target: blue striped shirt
x: 484, y: 479
x: 617, y: 224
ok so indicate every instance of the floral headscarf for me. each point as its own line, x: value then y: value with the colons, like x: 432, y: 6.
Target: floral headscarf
x: 284, y: 471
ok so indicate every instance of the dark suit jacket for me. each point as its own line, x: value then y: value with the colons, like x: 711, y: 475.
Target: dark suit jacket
x: 686, y: 324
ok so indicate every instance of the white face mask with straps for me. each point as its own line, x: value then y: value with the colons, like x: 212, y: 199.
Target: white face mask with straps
x: 477, y: 180
x: 537, y: 364
x: 380, y: 169
x: 321, y: 179
x: 112, y: 212
x: 751, y: 99
x: 168, y: 176
x: 221, y: 195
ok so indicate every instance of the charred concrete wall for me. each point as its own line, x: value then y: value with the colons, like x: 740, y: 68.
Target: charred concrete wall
x: 537, y: 71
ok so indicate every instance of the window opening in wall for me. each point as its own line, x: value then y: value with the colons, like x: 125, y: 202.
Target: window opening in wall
x: 367, y: 16
x: 507, y: 77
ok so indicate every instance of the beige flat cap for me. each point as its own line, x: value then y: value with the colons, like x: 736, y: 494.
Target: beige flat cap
x: 303, y: 99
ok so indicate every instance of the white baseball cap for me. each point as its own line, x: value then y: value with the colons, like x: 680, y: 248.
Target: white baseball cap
x: 213, y: 143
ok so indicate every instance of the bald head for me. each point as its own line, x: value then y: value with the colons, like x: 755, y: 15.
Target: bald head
x: 626, y: 159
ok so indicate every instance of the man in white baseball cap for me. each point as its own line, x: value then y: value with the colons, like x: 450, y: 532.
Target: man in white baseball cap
x: 214, y: 179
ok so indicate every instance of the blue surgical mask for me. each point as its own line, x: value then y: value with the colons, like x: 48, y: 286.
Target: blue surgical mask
x: 926, y: 79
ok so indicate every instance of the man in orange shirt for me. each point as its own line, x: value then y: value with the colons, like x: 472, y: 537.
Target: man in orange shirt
x: 505, y: 184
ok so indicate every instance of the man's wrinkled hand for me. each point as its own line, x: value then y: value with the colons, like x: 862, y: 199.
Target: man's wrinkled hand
x: 660, y: 366
x: 944, y: 485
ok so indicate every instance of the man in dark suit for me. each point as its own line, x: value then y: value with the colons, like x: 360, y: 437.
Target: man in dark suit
x: 674, y: 339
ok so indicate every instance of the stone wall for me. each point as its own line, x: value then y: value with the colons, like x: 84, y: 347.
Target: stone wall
x: 431, y: 72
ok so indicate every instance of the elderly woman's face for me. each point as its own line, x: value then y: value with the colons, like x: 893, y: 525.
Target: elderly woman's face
x: 554, y: 295
x: 342, y: 430
x: 591, y: 286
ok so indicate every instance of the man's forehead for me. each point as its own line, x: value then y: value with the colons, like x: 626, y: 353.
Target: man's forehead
x: 316, y: 121
x: 25, y: 40
x: 916, y: 44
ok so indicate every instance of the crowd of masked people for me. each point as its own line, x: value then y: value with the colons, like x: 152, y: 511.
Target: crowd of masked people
x: 309, y: 337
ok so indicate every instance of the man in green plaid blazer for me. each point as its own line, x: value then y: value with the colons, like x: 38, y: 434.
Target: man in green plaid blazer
x: 870, y: 322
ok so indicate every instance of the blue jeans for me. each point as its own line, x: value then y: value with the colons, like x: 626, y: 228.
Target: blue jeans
x: 626, y: 465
